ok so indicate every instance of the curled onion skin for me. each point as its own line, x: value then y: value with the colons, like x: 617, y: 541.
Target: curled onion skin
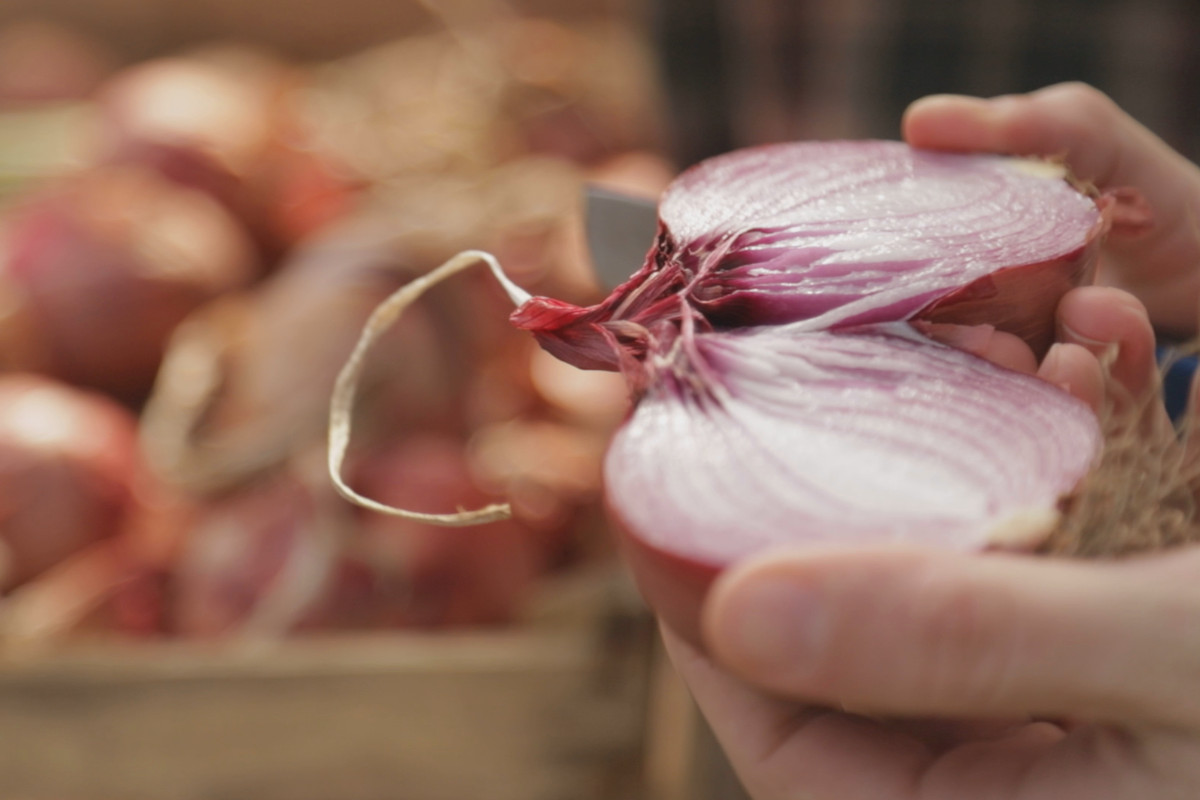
x: 783, y: 392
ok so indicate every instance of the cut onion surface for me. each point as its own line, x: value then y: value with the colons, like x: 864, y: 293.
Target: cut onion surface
x: 783, y: 390
x: 773, y: 436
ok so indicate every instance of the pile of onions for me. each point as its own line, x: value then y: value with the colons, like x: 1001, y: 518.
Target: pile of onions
x: 784, y: 389
x: 225, y: 121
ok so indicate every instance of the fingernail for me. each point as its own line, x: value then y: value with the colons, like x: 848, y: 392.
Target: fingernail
x: 1131, y: 303
x: 1069, y: 334
x: 770, y: 623
x: 1052, y: 364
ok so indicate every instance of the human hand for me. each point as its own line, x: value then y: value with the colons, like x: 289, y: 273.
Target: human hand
x: 900, y: 674
x: 1103, y: 145
x: 896, y: 674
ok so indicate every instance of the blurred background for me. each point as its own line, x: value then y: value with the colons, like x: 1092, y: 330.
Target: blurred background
x: 745, y: 71
x: 200, y: 203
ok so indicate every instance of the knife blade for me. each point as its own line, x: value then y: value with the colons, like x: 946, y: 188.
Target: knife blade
x: 620, y: 231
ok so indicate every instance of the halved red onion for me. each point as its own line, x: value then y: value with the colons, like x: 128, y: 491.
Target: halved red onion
x: 781, y: 393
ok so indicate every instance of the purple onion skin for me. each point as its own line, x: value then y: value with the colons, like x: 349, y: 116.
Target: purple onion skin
x: 761, y: 238
x: 1020, y: 300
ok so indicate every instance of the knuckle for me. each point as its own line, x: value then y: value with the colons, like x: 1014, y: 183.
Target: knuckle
x: 1082, y: 101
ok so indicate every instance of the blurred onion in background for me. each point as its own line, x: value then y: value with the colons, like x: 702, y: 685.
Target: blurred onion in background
x: 192, y: 233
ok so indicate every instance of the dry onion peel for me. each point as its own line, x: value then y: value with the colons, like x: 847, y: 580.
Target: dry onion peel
x: 344, y: 390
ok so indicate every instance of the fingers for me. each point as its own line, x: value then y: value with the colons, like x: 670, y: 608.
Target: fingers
x: 908, y: 632
x: 1094, y: 324
x: 1100, y: 142
x: 1111, y: 323
x: 1105, y: 146
x: 783, y: 750
x: 1110, y: 326
x: 1077, y: 371
x: 1001, y: 348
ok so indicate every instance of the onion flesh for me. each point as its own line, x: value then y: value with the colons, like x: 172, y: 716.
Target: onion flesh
x: 840, y: 438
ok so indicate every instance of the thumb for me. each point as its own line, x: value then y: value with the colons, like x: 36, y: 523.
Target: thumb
x: 1101, y: 144
x: 908, y: 632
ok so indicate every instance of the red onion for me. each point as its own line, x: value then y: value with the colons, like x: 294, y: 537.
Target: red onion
x: 43, y: 62
x: 258, y: 561
x: 450, y: 578
x: 773, y: 436
x: 782, y: 392
x: 98, y: 268
x: 837, y: 234
x: 68, y: 463
x: 226, y: 121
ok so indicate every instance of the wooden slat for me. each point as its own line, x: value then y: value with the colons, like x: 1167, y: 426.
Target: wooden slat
x: 302, y: 28
x: 554, y: 710
x: 421, y: 719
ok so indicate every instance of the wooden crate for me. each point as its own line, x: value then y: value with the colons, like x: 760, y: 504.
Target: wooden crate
x: 302, y: 28
x: 543, y: 712
x: 555, y: 709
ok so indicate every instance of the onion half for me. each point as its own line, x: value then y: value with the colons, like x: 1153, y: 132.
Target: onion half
x: 832, y: 438
x: 837, y: 234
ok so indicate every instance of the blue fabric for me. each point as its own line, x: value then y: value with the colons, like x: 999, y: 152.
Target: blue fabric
x: 1177, y: 382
